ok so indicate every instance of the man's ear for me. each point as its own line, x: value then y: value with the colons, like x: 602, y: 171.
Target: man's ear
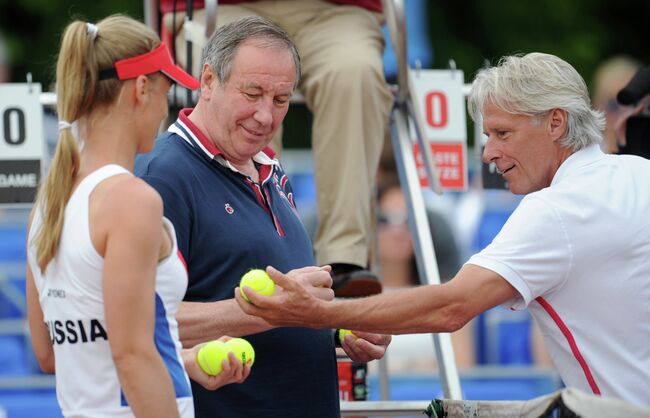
x: 557, y: 123
x: 209, y: 80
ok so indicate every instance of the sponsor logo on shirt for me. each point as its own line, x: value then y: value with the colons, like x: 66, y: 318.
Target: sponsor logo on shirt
x: 56, y: 293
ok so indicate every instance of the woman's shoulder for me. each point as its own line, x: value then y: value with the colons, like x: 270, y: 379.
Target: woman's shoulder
x: 130, y: 192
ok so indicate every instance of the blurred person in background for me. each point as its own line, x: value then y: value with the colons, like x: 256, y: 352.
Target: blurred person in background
x: 609, y: 78
x: 633, y: 127
x: 399, y: 270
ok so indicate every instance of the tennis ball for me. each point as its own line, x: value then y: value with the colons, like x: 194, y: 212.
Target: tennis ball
x: 243, y: 350
x: 259, y: 281
x: 343, y: 333
x: 211, y: 355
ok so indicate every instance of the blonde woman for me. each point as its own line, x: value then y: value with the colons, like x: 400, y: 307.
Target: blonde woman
x: 104, y: 276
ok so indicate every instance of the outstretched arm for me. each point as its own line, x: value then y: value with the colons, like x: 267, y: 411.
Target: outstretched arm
x: 432, y: 308
x: 203, y: 321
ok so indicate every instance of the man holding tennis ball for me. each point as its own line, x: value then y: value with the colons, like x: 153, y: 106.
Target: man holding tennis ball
x: 215, y: 372
x: 216, y: 356
x: 233, y: 209
x: 259, y: 281
x: 575, y: 252
x: 356, y: 345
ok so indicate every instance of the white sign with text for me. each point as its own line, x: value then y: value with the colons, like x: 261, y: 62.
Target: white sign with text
x: 440, y: 114
x: 22, y: 144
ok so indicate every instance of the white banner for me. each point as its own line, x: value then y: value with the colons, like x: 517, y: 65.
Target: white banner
x: 439, y: 106
x: 22, y: 144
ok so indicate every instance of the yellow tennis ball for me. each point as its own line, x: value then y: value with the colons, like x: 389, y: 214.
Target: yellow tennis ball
x: 343, y: 333
x: 243, y: 350
x: 259, y: 281
x: 211, y: 355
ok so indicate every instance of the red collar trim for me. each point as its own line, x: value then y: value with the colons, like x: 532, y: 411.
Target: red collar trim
x: 269, y: 152
x: 211, y: 148
x: 208, y: 145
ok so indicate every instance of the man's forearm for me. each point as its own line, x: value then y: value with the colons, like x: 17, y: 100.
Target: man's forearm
x: 401, y: 312
x: 432, y: 308
x: 204, y: 321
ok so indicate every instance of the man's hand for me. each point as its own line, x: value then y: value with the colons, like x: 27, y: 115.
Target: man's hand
x: 233, y: 371
x: 316, y: 280
x: 297, y: 302
x: 364, y: 346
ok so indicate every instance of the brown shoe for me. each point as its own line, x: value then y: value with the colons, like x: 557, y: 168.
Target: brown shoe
x: 350, y: 281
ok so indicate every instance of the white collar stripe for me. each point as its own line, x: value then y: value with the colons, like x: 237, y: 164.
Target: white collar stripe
x: 184, y: 131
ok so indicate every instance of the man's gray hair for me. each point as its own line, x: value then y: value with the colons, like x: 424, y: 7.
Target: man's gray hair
x: 222, y: 46
x: 534, y: 84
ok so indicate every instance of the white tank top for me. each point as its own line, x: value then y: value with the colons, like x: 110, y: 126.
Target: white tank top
x: 71, y: 297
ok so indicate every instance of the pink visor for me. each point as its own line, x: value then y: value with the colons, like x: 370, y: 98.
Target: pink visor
x: 158, y: 59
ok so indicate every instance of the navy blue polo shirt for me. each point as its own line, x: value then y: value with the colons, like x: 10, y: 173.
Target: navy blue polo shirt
x: 227, y: 224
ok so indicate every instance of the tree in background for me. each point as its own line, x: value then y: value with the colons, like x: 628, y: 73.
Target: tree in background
x: 33, y: 29
x: 584, y: 32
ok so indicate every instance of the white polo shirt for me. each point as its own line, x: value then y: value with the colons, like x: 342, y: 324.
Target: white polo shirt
x: 578, y: 253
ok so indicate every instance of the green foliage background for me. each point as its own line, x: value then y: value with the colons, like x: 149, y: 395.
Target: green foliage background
x: 584, y: 32
x: 33, y: 28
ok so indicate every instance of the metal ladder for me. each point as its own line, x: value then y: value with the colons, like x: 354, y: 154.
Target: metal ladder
x: 418, y: 221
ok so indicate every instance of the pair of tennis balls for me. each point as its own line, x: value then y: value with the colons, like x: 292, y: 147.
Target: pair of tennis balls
x: 259, y: 281
x: 213, y: 353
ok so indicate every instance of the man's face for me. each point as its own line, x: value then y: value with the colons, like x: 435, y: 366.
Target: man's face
x: 525, y: 149
x: 247, y: 110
